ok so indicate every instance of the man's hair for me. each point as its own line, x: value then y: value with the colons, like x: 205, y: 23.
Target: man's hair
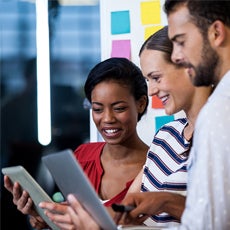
x: 203, y: 12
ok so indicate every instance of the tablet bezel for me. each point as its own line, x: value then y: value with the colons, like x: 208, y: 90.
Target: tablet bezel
x: 20, y: 174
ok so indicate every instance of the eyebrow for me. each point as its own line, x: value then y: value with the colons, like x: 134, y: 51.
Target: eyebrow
x: 152, y: 73
x: 174, y: 38
x: 115, y: 103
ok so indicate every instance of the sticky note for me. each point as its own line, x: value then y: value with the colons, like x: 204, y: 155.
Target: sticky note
x: 120, y: 22
x: 121, y: 48
x: 150, y: 12
x: 161, y: 120
x: 151, y: 30
x: 156, y: 103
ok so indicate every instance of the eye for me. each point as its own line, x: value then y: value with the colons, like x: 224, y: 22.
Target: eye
x: 156, y: 78
x: 97, y: 110
x: 180, y: 43
x: 120, y: 109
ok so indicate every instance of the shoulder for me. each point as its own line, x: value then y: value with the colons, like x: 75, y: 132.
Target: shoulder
x: 89, y: 150
x: 214, y: 115
x: 91, y: 146
x: 177, y: 125
x: 177, y: 122
x: 172, y: 134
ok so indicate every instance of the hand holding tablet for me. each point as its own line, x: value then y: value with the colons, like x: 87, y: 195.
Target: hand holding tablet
x: 37, y: 194
x: 70, y: 179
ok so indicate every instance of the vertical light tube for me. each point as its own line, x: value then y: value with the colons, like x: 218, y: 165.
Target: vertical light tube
x: 43, y: 73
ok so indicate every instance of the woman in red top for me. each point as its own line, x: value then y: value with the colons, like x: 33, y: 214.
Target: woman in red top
x: 117, y: 92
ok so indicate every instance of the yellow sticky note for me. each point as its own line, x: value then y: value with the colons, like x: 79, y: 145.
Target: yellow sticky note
x: 151, y: 30
x: 150, y: 12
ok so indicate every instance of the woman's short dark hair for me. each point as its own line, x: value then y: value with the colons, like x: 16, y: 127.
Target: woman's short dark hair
x: 122, y: 71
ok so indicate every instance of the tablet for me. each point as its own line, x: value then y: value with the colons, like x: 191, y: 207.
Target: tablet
x: 37, y: 194
x: 70, y: 178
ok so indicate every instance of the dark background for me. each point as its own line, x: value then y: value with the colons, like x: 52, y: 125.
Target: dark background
x: 74, y: 50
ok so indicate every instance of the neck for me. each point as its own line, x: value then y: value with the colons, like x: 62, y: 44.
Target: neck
x: 125, y: 151
x: 200, y: 98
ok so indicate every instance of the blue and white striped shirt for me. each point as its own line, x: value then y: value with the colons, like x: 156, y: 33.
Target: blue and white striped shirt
x: 166, y: 166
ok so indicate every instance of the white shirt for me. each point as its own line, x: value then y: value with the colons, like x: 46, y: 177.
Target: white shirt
x: 208, y: 195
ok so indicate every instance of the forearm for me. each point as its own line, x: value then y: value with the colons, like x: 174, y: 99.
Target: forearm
x: 136, y: 185
x: 174, y: 204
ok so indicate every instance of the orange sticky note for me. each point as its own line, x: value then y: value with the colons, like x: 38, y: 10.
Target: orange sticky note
x: 156, y: 103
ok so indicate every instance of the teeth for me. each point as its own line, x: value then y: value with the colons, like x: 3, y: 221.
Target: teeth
x: 110, y: 130
x: 163, y: 99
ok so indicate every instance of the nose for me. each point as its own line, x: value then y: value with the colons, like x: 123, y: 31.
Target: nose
x: 108, y: 116
x: 152, y: 88
x: 177, y: 56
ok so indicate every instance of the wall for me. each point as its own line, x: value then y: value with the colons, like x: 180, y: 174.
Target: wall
x: 124, y: 27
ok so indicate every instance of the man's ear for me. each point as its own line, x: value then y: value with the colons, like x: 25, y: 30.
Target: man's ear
x: 217, y: 33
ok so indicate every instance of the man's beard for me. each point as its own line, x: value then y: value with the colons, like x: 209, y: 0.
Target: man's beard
x: 205, y: 72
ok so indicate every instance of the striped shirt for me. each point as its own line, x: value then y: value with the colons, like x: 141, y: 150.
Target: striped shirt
x: 166, y: 166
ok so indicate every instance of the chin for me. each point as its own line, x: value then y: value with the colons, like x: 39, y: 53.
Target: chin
x: 168, y: 112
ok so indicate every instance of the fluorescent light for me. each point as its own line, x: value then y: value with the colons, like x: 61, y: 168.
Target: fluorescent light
x: 43, y: 73
x: 78, y: 2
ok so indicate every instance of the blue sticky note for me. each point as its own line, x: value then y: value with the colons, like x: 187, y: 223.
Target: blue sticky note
x: 161, y: 120
x: 120, y: 22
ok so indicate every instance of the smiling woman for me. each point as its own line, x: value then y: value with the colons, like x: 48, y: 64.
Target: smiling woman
x: 118, y: 94
x: 117, y: 91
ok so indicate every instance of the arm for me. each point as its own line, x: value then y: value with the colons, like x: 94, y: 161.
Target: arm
x: 136, y: 185
x: 208, y: 200
x: 151, y: 203
x: 173, y: 204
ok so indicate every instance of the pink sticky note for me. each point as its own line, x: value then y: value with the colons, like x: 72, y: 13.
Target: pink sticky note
x: 121, y: 48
